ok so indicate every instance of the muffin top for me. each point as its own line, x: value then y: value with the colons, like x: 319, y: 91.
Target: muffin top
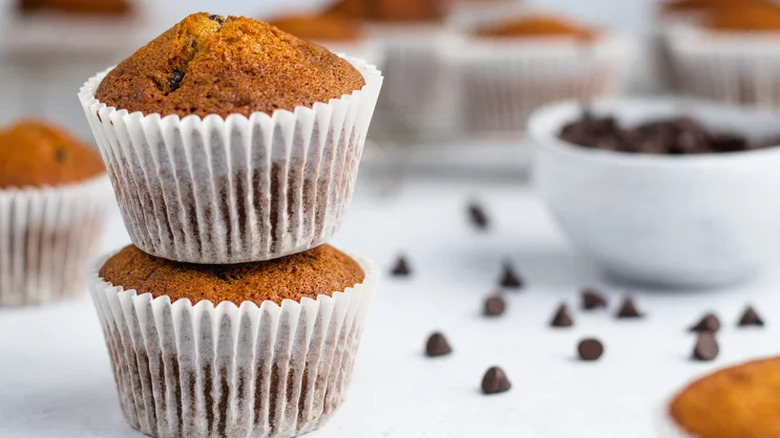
x: 742, y: 401
x: 391, y: 11
x: 323, y: 27
x: 79, y: 7
x: 208, y: 64
x: 754, y: 18
x: 705, y: 5
x: 320, y: 271
x: 539, y: 26
x: 36, y: 154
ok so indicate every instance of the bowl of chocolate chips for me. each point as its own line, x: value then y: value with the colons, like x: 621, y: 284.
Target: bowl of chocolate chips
x: 666, y: 193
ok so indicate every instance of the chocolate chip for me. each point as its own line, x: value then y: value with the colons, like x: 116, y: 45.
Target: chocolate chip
x: 562, y: 317
x: 175, y: 81
x: 706, y: 348
x: 437, y: 345
x: 60, y: 154
x: 478, y: 217
x: 217, y: 18
x: 494, y: 306
x: 628, y: 309
x: 708, y: 323
x: 590, y: 349
x: 401, y: 268
x: 495, y: 381
x: 592, y: 299
x: 509, y: 278
x: 750, y: 318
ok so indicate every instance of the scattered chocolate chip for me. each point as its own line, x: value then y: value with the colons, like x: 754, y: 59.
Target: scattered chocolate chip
x: 708, y: 323
x: 592, y: 299
x: 628, y: 309
x: 673, y: 136
x: 217, y: 18
x: 401, y: 268
x: 437, y: 345
x: 494, y: 306
x: 60, y: 154
x: 706, y: 348
x: 478, y: 216
x: 750, y: 318
x: 175, y: 81
x: 562, y: 317
x: 509, y: 278
x: 590, y: 349
x: 495, y: 381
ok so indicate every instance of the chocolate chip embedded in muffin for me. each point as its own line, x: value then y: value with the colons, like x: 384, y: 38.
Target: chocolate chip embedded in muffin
x: 36, y: 154
x: 212, y: 65
x: 320, y: 271
x: 740, y: 401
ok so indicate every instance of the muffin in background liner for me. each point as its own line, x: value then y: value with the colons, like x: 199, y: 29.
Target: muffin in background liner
x: 733, y: 67
x: 185, y: 370
x: 502, y: 81
x: 47, y: 236
x: 417, y: 89
x: 229, y: 190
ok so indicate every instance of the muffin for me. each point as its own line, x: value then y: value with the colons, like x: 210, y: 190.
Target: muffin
x: 229, y: 141
x: 394, y: 11
x: 257, y: 349
x: 506, y: 69
x: 87, y: 7
x: 53, y: 197
x: 737, y: 402
x: 731, y: 56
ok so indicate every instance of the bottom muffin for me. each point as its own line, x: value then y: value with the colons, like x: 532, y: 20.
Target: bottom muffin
x: 737, y: 402
x: 255, y: 349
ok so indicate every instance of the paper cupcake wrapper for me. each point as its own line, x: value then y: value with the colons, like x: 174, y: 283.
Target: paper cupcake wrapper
x: 219, y: 190
x: 47, y: 236
x: 729, y: 67
x: 502, y: 82
x: 230, y: 371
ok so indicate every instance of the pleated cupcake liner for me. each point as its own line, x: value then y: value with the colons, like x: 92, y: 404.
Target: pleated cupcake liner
x: 738, y: 68
x: 47, y: 237
x: 228, y: 371
x: 501, y: 83
x: 219, y: 190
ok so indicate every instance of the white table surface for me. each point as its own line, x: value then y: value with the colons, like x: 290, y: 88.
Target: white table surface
x: 55, y: 379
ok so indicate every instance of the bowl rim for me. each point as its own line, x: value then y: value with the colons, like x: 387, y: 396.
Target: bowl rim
x: 545, y: 124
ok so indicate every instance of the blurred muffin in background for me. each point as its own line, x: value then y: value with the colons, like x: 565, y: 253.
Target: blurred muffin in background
x: 53, y: 198
x: 732, y: 55
x: 87, y: 7
x: 505, y: 70
x: 339, y: 33
x: 411, y: 34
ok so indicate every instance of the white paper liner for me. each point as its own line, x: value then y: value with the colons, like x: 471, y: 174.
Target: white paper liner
x: 47, y: 236
x: 740, y: 68
x: 228, y: 371
x: 219, y: 190
x: 502, y: 82
x: 417, y: 86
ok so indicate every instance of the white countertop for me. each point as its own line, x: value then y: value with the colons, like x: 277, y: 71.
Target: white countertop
x: 55, y: 378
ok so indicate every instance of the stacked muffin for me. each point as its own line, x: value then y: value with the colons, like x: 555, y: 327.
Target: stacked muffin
x: 233, y: 149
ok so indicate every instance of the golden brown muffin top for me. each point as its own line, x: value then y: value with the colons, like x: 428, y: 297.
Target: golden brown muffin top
x: 78, y: 7
x: 208, y: 64
x: 742, y: 401
x: 320, y: 271
x: 36, y: 154
x: 537, y: 27
x: 324, y: 27
x: 755, y: 18
x: 391, y: 11
x: 673, y: 6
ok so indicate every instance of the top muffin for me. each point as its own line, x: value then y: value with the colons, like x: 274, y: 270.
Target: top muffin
x: 36, y: 154
x: 80, y: 7
x: 398, y: 11
x: 208, y: 64
x: 537, y: 27
x: 753, y: 18
x: 323, y: 27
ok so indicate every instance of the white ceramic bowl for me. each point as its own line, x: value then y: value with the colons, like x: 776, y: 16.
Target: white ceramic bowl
x: 680, y: 221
